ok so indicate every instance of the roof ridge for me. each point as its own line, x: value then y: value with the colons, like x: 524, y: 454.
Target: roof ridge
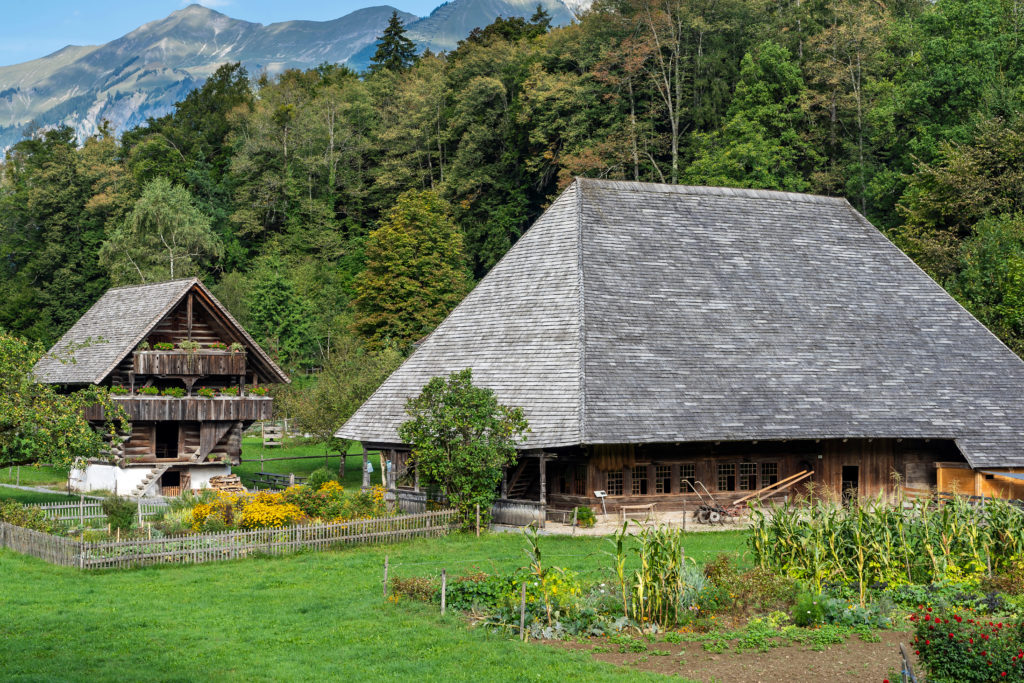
x: 698, y: 190
x: 153, y: 284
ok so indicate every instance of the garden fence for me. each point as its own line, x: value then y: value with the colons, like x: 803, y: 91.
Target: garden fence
x: 83, y: 510
x: 226, y: 545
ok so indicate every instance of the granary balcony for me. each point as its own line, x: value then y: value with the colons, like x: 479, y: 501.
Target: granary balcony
x: 180, y: 363
x: 189, y: 408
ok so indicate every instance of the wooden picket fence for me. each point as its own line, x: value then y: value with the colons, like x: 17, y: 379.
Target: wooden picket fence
x: 84, y: 510
x: 226, y: 545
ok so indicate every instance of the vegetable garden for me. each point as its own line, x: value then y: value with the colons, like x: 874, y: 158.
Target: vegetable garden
x: 821, y: 573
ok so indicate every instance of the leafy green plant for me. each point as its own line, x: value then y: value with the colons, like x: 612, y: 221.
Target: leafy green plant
x: 237, y: 347
x: 217, y: 346
x: 121, y: 512
x: 229, y: 391
x: 149, y: 391
x: 319, y: 477
x: 118, y: 390
x: 420, y: 588
x: 143, y: 346
x: 25, y: 516
x: 585, y: 517
x: 808, y: 610
x: 190, y: 346
x: 174, y: 392
x: 205, y: 392
x: 256, y: 391
x: 163, y: 346
x: 462, y: 438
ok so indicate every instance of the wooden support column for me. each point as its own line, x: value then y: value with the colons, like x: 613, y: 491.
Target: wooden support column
x: 416, y: 476
x: 189, y: 307
x: 366, y: 473
x: 543, y: 490
x: 504, y: 483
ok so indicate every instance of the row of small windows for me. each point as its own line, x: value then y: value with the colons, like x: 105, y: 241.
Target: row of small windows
x: 731, y: 477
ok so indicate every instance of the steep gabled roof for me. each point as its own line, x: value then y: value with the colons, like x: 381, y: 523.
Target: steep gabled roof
x: 641, y: 313
x: 115, y: 325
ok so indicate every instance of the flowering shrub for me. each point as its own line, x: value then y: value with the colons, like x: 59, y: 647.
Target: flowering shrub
x: 163, y: 346
x: 118, y: 389
x: 256, y: 391
x: 149, y: 391
x: 205, y: 392
x: 266, y: 510
x: 229, y: 391
x: 218, y: 346
x: 33, y: 518
x: 966, y: 649
x: 175, y: 392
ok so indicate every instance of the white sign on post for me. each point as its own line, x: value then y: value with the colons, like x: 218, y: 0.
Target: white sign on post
x: 602, y: 495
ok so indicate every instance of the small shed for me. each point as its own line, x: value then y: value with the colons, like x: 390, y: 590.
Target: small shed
x: 659, y: 335
x: 189, y: 377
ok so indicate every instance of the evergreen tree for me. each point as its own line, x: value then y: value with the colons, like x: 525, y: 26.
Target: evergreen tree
x: 280, y: 318
x: 395, y: 52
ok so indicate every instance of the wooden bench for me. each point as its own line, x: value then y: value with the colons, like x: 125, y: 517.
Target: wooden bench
x: 276, y: 480
x: 649, y: 509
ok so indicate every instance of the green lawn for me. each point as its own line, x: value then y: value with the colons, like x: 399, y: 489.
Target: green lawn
x: 252, y: 448
x: 30, y: 475
x: 33, y: 496
x: 314, y: 616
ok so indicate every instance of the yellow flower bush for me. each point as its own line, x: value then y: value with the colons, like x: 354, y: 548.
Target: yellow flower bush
x: 264, y: 514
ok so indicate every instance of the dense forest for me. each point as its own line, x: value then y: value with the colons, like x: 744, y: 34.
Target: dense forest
x: 341, y: 215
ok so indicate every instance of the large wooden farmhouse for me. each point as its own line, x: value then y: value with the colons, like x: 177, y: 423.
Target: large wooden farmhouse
x: 659, y: 336
x: 185, y: 372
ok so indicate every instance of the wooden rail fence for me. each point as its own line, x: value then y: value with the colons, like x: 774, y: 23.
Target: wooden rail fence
x: 227, y: 545
x: 87, y: 510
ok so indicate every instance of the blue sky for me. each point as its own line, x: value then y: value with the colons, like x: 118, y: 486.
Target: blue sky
x: 28, y: 30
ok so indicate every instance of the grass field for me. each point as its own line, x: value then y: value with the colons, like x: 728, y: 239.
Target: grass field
x: 314, y: 616
x: 33, y: 496
x: 30, y: 475
x: 252, y: 447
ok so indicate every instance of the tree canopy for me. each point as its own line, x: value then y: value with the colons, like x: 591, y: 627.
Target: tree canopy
x: 462, y: 439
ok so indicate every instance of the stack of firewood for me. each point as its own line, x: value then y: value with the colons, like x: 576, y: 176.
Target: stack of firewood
x: 229, y: 483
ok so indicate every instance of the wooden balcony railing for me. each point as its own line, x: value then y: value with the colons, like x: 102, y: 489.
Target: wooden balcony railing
x: 185, y: 363
x: 189, y: 409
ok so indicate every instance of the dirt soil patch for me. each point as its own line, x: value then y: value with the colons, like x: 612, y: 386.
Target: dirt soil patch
x: 854, y: 660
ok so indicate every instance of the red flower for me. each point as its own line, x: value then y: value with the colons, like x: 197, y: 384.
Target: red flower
x: 917, y: 652
x: 983, y: 653
x: 950, y: 635
x: 971, y: 641
x: 929, y: 609
x: 927, y: 642
x: 958, y: 618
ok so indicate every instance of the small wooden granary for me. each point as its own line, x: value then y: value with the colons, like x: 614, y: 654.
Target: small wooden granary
x: 656, y: 334
x: 175, y: 442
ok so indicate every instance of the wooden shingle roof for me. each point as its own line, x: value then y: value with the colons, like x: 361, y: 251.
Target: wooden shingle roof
x: 642, y: 313
x: 115, y: 325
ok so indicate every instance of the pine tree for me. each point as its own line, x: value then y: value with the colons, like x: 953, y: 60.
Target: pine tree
x: 395, y: 52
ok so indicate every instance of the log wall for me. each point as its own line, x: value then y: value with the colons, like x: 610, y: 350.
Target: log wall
x: 161, y: 408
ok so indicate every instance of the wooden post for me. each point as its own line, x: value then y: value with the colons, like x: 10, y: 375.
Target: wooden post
x: 444, y: 589
x: 291, y: 479
x: 575, y: 510
x: 478, y: 520
x: 81, y: 511
x: 19, y: 476
x: 543, y: 491
x: 140, y: 509
x: 385, y: 576
x: 416, y: 476
x: 504, y: 483
x: 522, y: 613
x: 189, y: 307
x: 366, y: 472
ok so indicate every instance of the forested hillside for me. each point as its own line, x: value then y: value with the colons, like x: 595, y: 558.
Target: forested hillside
x: 334, y: 211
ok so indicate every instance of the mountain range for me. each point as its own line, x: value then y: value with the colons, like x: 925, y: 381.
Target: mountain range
x: 144, y: 72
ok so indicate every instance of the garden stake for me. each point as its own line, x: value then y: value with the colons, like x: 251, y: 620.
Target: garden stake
x: 385, y: 576
x: 522, y: 613
x: 444, y: 589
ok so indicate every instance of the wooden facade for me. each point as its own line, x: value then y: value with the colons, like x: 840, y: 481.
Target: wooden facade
x: 188, y: 404
x: 665, y: 474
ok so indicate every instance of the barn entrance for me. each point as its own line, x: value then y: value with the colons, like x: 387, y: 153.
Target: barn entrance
x: 850, y: 482
x: 167, y: 440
